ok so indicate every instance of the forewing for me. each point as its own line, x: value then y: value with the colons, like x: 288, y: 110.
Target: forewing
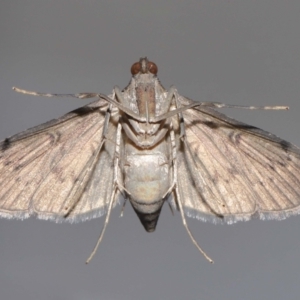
x: 55, y: 170
x: 230, y: 171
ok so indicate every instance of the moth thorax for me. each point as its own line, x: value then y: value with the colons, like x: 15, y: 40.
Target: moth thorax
x: 145, y: 98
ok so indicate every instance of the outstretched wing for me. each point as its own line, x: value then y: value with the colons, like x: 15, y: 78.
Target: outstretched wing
x: 230, y: 171
x: 55, y: 171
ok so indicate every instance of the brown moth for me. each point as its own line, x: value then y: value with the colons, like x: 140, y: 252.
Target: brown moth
x: 148, y: 145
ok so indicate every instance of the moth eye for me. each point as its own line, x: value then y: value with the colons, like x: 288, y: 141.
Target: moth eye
x: 152, y: 67
x: 136, y: 68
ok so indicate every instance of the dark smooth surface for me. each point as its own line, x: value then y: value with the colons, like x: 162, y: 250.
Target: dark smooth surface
x: 237, y: 52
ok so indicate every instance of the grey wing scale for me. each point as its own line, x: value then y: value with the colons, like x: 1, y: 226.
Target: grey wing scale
x: 230, y: 171
x: 55, y: 170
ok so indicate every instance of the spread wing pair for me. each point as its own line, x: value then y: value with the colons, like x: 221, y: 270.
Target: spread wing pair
x: 228, y: 171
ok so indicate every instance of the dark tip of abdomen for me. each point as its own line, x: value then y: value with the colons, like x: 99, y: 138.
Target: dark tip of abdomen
x: 149, y: 221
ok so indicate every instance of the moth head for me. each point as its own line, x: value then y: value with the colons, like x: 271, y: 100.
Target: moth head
x: 144, y: 66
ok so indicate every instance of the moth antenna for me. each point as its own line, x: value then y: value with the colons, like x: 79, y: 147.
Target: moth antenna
x: 223, y: 105
x: 78, y: 96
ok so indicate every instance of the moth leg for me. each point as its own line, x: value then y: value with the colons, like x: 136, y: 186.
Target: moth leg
x: 181, y: 119
x: 171, y: 208
x: 117, y: 186
x: 174, y: 178
x: 123, y: 207
x: 160, y: 134
x: 173, y: 92
x: 119, y: 95
x: 170, y: 95
x: 141, y: 119
x: 178, y: 198
x: 155, y: 138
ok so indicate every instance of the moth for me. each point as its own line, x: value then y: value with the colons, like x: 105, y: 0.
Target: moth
x: 148, y: 145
